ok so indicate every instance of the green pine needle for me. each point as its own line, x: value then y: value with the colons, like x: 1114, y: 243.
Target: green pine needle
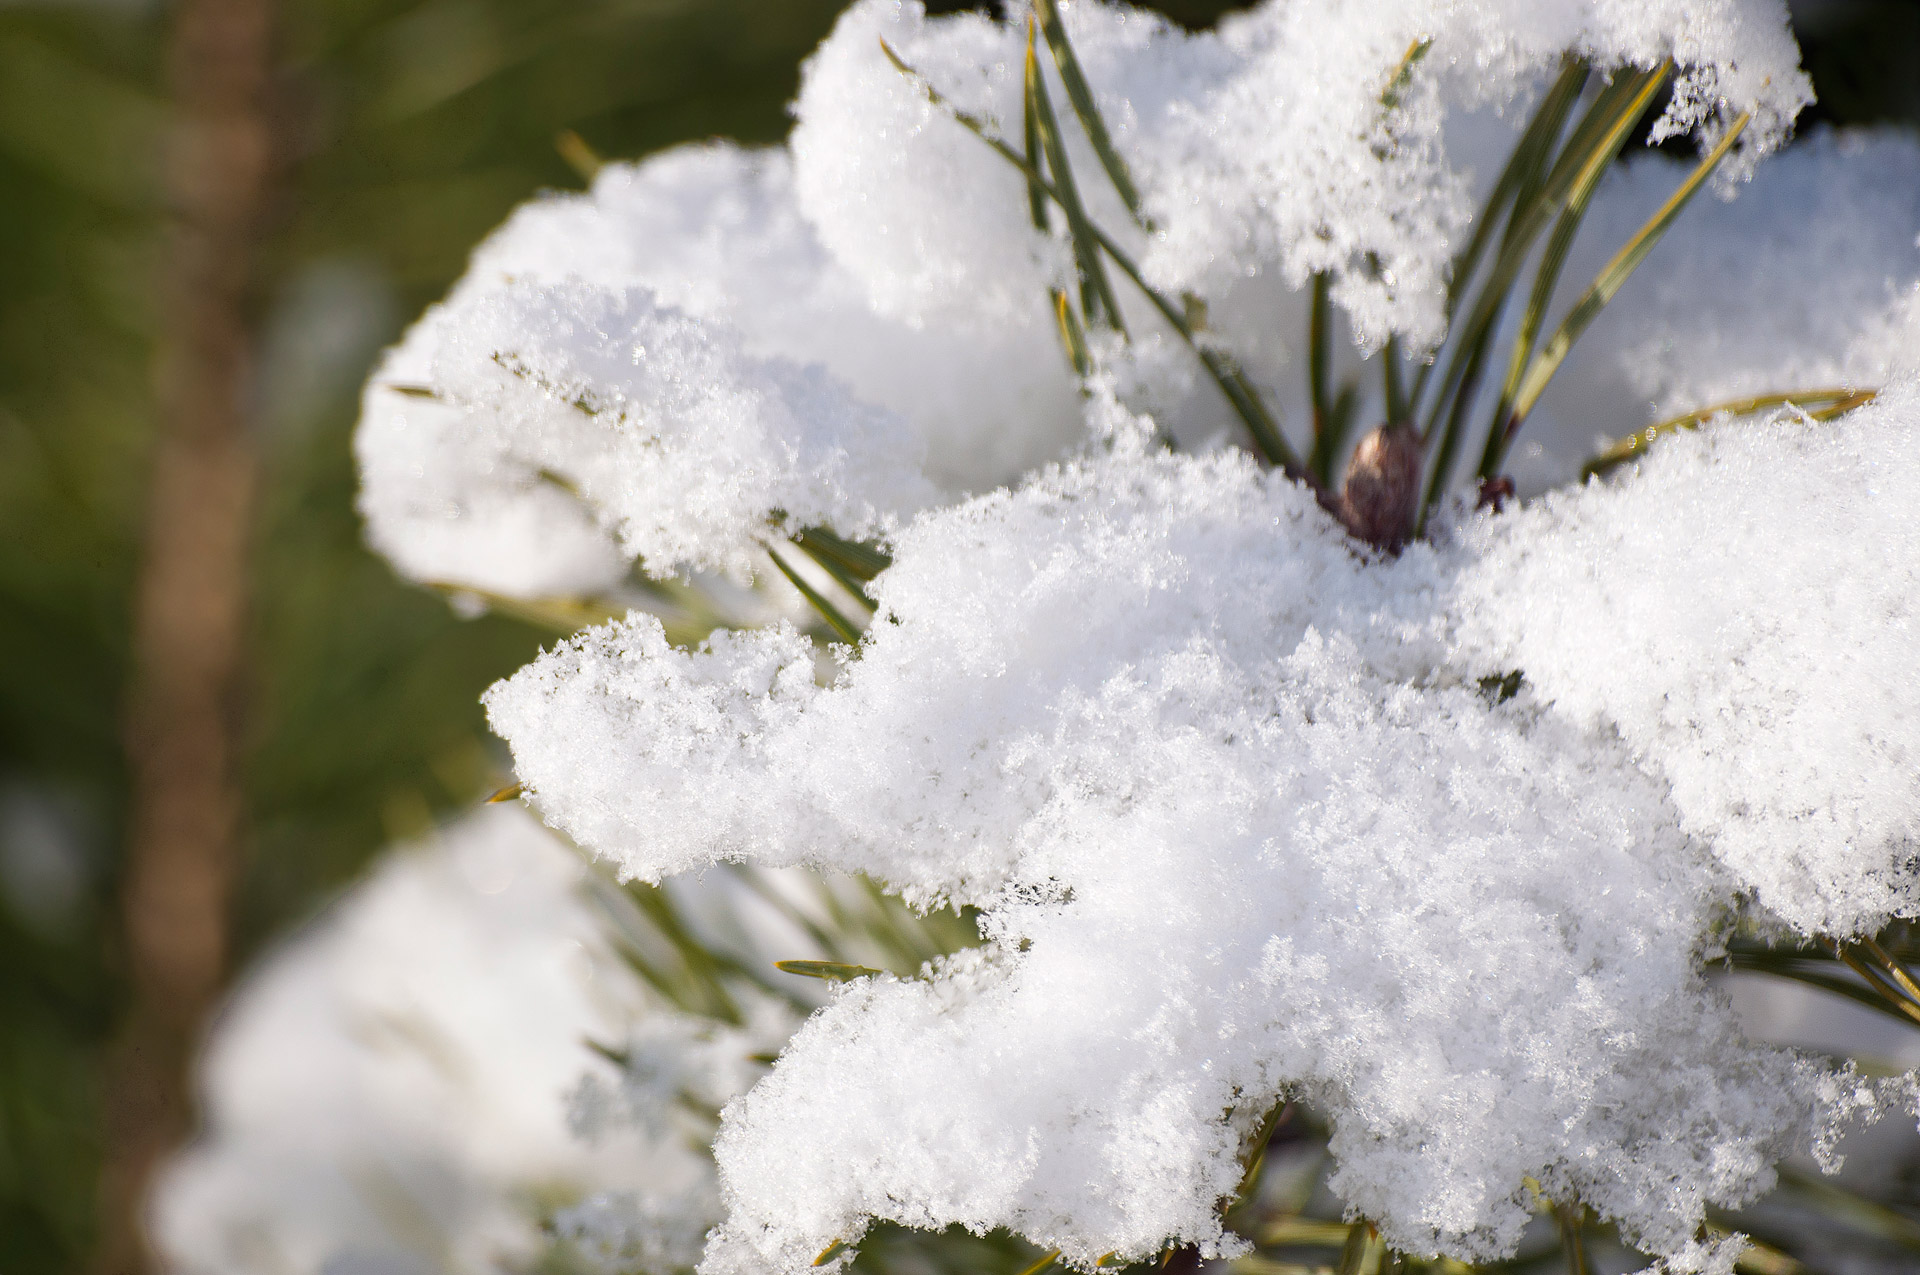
x: 831, y: 971
x: 1046, y: 1260
x: 1836, y: 400
x: 842, y: 627
x: 1080, y: 96
x: 1096, y: 291
x: 1240, y: 393
x: 1072, y: 336
x: 1392, y: 95
x: 1608, y: 282
x: 861, y: 561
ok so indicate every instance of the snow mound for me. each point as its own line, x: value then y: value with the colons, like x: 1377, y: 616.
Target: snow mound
x: 1745, y: 614
x: 875, y: 298
x: 1251, y: 816
x: 563, y: 417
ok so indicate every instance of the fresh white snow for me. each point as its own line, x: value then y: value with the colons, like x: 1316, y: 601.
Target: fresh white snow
x: 1250, y: 811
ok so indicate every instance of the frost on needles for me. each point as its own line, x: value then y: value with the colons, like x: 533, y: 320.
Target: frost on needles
x: 1439, y: 842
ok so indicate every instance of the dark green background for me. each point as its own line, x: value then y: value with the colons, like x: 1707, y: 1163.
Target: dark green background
x: 414, y: 128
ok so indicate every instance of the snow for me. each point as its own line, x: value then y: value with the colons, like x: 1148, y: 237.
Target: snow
x: 1437, y: 841
x: 888, y: 252
x: 1836, y: 221
x: 1245, y: 823
x: 717, y: 231
x: 1262, y: 146
x: 390, y: 1091
x: 1742, y: 613
x: 680, y: 443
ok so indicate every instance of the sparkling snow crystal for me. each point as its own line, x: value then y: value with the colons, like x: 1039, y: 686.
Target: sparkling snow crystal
x: 1263, y: 145
x: 1746, y: 615
x: 716, y: 231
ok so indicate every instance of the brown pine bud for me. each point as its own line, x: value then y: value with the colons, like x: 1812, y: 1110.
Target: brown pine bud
x: 1381, y: 491
x: 1495, y: 493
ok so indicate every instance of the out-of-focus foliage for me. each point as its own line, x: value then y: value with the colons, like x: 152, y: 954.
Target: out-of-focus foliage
x: 78, y: 123
x: 1864, y: 57
x: 408, y: 129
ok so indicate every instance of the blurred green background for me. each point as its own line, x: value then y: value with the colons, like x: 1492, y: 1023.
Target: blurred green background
x: 414, y: 128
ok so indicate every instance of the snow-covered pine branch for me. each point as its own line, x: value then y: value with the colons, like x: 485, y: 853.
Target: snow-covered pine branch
x: 1439, y: 841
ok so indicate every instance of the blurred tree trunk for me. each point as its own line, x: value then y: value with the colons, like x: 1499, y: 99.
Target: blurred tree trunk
x: 190, y: 612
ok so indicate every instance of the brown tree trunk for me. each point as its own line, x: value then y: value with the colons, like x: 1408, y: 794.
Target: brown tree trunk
x: 190, y: 609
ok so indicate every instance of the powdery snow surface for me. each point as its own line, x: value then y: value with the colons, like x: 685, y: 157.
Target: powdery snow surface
x: 689, y: 362
x: 682, y: 444
x: 1245, y: 822
x: 1263, y: 145
x: 1745, y: 614
x: 716, y: 231
x: 658, y: 326
x: 391, y: 1091
x: 1248, y: 815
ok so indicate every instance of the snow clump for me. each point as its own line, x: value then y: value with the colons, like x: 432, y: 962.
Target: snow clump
x: 1248, y: 819
x: 1439, y: 843
x: 1260, y: 146
x: 1836, y: 221
x: 392, y: 1090
x: 889, y: 253
x: 1743, y: 614
x: 556, y: 412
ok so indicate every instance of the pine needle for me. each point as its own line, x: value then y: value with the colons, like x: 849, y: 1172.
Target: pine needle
x: 1815, y: 969
x: 842, y: 627
x: 832, y: 566
x: 1608, y: 282
x: 1895, y: 970
x: 580, y: 157
x: 861, y: 561
x: 1081, y: 98
x: 1570, y: 1217
x: 1520, y: 189
x: 1096, y: 292
x: 1840, y: 400
x: 1072, y: 335
x: 1855, y: 1210
x: 1361, y: 1253
x: 564, y: 616
x: 1233, y: 383
x: 1595, y: 144
x: 1046, y: 1260
x: 831, y: 971
x: 1391, y: 95
x: 1304, y: 1232
x: 1541, y: 132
